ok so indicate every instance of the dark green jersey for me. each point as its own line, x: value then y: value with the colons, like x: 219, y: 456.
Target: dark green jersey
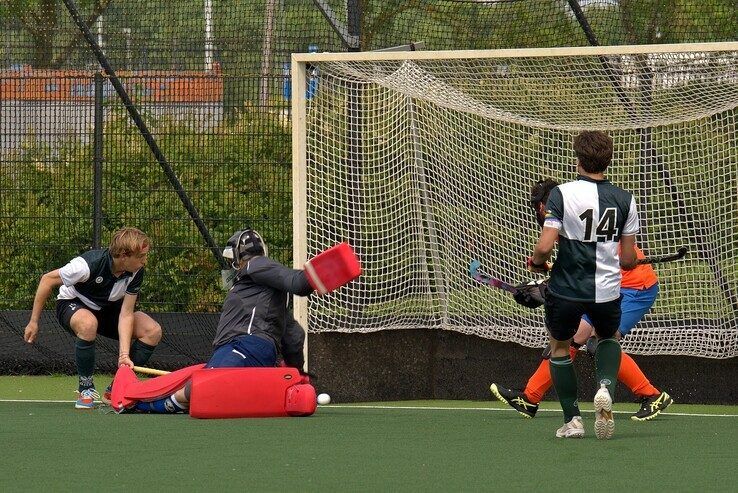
x: 90, y: 278
x: 591, y: 216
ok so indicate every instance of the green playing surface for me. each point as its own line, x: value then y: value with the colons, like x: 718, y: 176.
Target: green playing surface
x: 405, y: 446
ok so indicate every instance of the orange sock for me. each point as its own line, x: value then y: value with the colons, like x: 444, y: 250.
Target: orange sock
x: 632, y: 376
x: 539, y: 383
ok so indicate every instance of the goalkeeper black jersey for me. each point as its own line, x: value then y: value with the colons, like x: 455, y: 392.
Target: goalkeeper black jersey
x: 257, y: 305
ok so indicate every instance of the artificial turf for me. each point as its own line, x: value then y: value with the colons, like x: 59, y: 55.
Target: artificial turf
x: 408, y: 446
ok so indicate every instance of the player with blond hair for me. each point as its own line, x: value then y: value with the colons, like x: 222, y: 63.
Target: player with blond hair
x: 97, y: 296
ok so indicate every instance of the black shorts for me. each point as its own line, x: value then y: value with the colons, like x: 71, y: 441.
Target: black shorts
x: 563, y: 316
x: 107, y: 318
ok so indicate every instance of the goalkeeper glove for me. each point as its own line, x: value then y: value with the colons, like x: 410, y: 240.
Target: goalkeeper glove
x: 532, y: 294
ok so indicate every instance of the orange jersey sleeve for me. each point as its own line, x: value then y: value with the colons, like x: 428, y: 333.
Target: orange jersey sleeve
x: 642, y: 277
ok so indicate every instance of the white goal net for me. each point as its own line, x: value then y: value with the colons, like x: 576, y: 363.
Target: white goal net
x: 423, y: 161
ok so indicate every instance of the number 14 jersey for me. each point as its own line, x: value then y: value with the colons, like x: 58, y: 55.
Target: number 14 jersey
x: 591, y: 216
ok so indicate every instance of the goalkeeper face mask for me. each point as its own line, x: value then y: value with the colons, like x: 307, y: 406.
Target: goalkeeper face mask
x: 244, y: 243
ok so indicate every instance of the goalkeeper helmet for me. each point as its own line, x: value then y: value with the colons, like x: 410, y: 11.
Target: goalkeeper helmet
x: 244, y: 243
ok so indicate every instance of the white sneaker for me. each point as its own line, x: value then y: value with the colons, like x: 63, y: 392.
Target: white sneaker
x: 573, y: 429
x: 604, y: 422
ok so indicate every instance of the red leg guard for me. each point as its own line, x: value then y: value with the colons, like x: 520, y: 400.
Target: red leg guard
x: 128, y: 389
x: 332, y: 268
x: 123, y: 379
x: 249, y: 392
x: 157, y: 387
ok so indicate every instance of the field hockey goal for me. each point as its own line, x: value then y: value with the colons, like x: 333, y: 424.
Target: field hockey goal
x: 423, y: 161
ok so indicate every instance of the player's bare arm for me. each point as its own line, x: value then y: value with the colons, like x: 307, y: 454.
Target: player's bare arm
x: 628, y: 257
x: 125, y: 330
x: 542, y: 251
x: 49, y: 282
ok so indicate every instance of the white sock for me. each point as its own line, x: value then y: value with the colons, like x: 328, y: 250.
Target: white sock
x: 184, y: 406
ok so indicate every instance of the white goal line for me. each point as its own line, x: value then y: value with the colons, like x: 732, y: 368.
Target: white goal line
x: 450, y: 408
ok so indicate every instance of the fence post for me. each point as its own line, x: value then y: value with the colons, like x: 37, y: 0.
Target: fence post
x: 97, y: 170
x: 145, y: 133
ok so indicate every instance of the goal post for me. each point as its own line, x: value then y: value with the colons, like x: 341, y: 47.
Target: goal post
x: 299, y: 190
x: 424, y: 160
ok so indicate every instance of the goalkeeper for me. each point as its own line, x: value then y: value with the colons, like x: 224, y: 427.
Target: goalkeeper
x: 639, y: 289
x: 255, y: 326
x: 256, y: 329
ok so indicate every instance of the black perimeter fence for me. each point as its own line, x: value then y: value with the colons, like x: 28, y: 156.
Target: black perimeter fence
x: 210, y: 150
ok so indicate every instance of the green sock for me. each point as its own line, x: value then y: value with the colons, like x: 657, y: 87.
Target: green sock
x: 141, y: 352
x: 84, y: 355
x: 607, y: 363
x: 565, y: 382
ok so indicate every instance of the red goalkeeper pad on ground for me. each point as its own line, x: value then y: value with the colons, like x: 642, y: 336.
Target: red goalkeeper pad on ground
x: 250, y: 393
x: 128, y: 389
x: 123, y: 379
x: 301, y: 400
x: 162, y: 386
x: 333, y: 268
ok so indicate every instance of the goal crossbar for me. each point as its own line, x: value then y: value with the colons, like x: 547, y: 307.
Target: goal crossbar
x: 301, y: 58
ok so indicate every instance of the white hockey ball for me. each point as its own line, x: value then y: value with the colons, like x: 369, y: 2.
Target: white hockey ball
x: 324, y: 399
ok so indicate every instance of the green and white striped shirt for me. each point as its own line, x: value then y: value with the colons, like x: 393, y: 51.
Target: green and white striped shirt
x: 90, y: 278
x: 591, y: 216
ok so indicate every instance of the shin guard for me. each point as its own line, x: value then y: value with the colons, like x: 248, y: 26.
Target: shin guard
x: 250, y: 392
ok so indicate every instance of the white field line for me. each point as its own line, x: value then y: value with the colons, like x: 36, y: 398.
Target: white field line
x: 426, y: 408
x: 41, y: 401
x: 435, y: 408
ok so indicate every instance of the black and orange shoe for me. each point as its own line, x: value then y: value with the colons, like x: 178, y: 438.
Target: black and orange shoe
x: 515, y: 400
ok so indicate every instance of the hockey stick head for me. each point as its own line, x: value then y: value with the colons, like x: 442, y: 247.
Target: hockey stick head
x: 479, y: 276
x: 474, y: 268
x: 680, y: 253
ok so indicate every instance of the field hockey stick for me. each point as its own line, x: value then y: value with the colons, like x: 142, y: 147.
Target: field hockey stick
x: 150, y: 371
x: 658, y: 259
x: 478, y: 275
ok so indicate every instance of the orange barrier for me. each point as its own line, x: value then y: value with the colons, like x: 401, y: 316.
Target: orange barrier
x: 158, y: 86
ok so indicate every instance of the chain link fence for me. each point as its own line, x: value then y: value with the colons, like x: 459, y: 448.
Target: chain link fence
x: 210, y: 82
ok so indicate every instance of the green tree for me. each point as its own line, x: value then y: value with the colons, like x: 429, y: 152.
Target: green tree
x: 678, y: 21
x: 43, y: 21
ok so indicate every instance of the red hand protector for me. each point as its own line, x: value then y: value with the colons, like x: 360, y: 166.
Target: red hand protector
x: 332, y: 268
